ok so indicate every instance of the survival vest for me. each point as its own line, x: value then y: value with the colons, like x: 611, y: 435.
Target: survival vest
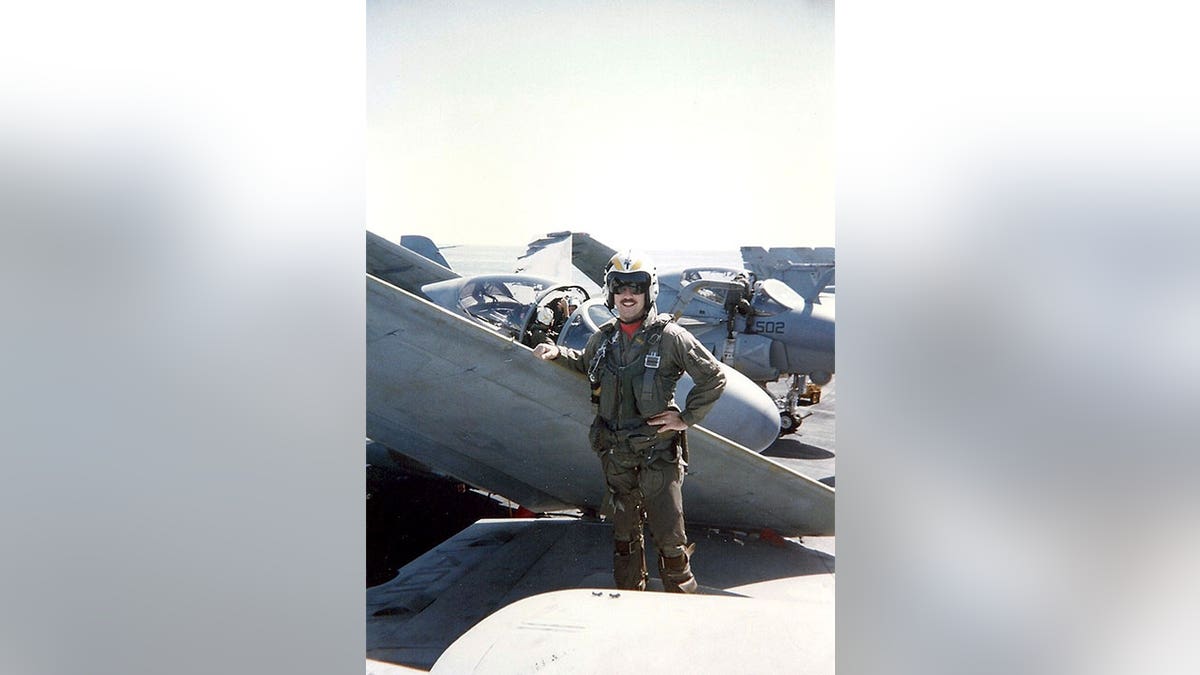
x: 617, y: 368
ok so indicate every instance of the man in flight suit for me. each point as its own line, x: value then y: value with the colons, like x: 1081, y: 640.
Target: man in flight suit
x: 633, y: 364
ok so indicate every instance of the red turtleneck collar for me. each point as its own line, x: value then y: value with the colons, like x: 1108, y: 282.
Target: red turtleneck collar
x: 630, y: 328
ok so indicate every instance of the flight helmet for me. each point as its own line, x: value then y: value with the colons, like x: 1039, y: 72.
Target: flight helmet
x: 631, y: 267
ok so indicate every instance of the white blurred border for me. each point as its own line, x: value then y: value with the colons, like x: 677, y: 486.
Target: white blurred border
x: 1016, y: 339
x: 181, y: 190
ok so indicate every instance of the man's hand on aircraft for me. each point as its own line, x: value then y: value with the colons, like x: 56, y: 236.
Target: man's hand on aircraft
x: 668, y: 420
x: 546, y: 352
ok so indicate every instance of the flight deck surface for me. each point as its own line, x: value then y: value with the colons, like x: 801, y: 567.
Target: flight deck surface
x: 811, y: 450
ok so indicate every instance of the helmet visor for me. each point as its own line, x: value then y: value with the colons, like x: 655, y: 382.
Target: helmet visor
x: 637, y: 282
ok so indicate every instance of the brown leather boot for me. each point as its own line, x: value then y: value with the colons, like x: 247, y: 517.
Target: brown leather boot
x: 676, y: 573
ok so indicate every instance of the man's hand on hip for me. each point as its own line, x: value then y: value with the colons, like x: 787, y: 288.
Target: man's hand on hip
x: 668, y: 420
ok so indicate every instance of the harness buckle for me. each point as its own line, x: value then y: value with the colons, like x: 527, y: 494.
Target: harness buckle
x: 652, y: 360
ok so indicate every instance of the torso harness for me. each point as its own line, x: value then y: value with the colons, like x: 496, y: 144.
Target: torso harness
x: 606, y: 359
x: 605, y: 356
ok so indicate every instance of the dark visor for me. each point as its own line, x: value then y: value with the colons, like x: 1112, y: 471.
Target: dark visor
x: 619, y: 286
x: 635, y: 281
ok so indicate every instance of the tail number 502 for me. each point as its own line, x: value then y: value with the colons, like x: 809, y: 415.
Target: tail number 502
x: 768, y: 326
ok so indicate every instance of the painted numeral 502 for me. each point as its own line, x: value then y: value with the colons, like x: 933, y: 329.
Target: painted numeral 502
x: 768, y: 326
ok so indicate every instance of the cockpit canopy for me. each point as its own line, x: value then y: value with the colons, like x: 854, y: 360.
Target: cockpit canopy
x: 772, y: 296
x: 526, y: 308
x: 705, y: 294
x: 715, y: 273
x: 713, y: 283
x: 585, y: 321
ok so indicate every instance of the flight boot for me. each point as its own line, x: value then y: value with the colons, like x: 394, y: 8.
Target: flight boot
x: 629, y: 565
x: 676, y: 573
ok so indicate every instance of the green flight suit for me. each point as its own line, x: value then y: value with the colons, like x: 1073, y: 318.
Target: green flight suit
x: 633, y: 379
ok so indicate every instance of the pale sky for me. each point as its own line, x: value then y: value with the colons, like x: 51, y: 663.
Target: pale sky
x: 659, y: 125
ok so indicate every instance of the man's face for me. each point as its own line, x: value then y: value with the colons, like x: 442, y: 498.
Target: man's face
x: 630, y: 303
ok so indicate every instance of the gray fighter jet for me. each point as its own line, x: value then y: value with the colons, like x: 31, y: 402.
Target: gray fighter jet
x: 452, y: 384
x: 763, y: 328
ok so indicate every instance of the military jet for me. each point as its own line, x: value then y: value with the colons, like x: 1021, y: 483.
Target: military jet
x: 763, y: 328
x: 453, y: 385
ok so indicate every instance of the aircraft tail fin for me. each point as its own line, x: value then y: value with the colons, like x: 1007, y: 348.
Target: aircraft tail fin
x: 402, y: 266
x: 808, y: 271
x: 425, y: 246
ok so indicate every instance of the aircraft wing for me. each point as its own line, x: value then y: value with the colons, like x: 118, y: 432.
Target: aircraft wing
x: 552, y: 257
x: 590, y: 256
x: 549, y: 256
x: 402, y: 266
x: 475, y: 405
x: 587, y: 255
x: 513, y: 595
